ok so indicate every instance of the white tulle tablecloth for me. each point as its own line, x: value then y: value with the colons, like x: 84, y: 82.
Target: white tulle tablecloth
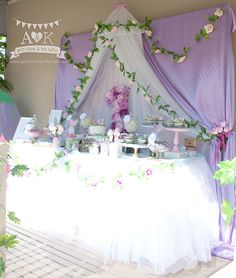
x: 160, y: 214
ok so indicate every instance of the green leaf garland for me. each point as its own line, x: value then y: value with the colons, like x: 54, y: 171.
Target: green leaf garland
x: 100, y: 34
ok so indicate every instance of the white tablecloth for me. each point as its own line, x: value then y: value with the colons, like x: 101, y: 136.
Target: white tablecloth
x: 160, y: 214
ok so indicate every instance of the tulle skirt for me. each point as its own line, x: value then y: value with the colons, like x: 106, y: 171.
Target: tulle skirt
x: 163, y: 217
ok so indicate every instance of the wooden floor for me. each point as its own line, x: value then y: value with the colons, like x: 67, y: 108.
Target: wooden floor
x: 38, y: 255
x: 41, y: 256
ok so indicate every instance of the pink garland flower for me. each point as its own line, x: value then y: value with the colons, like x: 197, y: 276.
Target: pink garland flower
x: 149, y: 172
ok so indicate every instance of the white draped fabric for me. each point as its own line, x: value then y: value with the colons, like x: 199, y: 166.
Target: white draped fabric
x: 161, y: 216
x: 105, y: 75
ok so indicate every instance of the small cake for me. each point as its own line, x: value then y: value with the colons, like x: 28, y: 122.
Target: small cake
x: 149, y: 120
x: 168, y: 123
x: 179, y: 122
x: 97, y: 130
x: 158, y: 119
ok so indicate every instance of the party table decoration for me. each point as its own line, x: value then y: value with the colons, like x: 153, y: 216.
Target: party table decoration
x: 55, y: 130
x: 131, y: 124
x: 151, y: 120
x: 85, y: 121
x: 34, y: 134
x: 156, y: 145
x: 97, y: 127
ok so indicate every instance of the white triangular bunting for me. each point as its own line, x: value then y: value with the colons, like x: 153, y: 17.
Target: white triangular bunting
x: 18, y: 22
x: 51, y: 24
x: 23, y: 24
x: 45, y: 25
x: 56, y: 22
x: 29, y: 25
x: 40, y: 26
x: 35, y: 25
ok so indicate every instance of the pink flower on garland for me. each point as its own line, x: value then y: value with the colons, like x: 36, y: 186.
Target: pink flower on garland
x: 149, y: 172
x: 118, y: 98
x: 65, y: 115
x: 119, y: 182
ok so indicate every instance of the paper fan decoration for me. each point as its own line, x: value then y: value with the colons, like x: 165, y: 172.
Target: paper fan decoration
x: 126, y: 119
x: 82, y: 116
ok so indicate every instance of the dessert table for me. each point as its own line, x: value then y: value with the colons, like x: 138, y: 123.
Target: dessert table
x: 161, y: 214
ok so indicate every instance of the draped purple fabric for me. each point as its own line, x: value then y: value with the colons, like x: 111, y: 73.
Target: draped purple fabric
x: 203, y: 85
x: 206, y: 78
x: 9, y: 118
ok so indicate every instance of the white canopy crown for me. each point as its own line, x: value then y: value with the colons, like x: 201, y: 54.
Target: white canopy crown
x: 105, y: 74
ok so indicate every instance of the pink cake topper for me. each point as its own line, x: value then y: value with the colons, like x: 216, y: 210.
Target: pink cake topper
x: 120, y: 5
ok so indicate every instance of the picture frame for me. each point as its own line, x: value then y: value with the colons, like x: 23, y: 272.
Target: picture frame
x: 55, y: 116
x: 20, y: 130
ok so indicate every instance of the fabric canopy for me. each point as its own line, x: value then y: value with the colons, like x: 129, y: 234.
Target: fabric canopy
x: 105, y: 75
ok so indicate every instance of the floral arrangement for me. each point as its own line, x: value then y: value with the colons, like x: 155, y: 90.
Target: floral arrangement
x: 55, y: 130
x: 222, y: 133
x: 117, y: 98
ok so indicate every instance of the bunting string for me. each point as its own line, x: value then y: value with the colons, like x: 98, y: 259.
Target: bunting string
x: 28, y: 25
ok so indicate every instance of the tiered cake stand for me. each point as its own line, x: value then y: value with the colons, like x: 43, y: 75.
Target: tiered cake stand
x: 176, y: 130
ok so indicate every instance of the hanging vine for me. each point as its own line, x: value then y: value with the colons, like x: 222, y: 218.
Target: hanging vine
x: 203, y: 33
x: 100, y: 32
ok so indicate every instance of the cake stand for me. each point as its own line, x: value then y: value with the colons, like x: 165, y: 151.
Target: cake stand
x: 176, y: 130
x: 135, y: 147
